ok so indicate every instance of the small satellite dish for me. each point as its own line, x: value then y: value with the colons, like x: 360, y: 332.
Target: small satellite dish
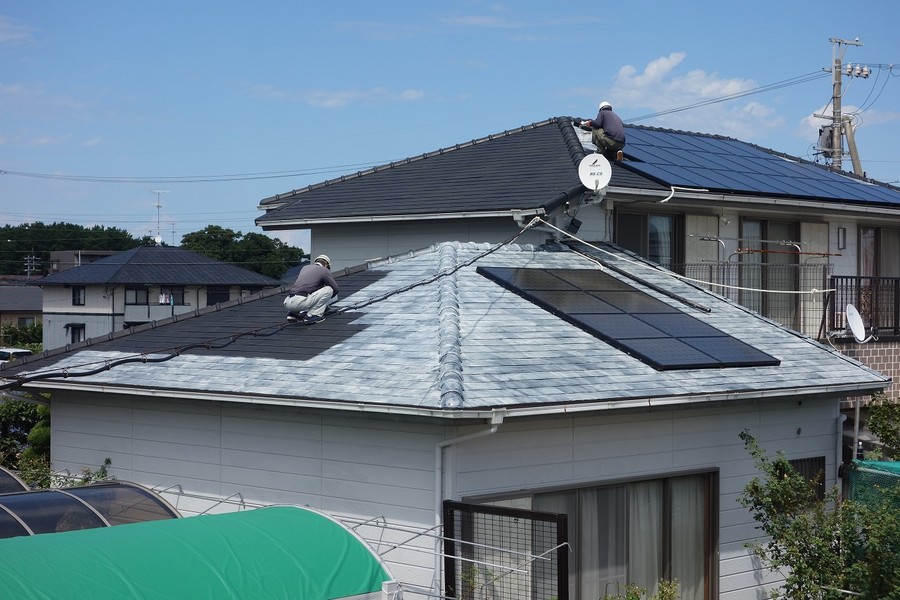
x: 856, y: 324
x: 594, y: 171
x: 158, y: 240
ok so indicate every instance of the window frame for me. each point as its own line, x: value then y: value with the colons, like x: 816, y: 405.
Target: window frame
x: 79, y: 295
x: 710, y: 531
x: 135, y: 292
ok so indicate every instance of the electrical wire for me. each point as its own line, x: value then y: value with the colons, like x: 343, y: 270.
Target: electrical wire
x: 224, y: 341
x: 757, y: 90
x: 659, y: 269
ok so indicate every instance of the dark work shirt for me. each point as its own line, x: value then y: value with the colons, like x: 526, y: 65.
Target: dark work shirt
x: 610, y: 123
x: 313, y: 277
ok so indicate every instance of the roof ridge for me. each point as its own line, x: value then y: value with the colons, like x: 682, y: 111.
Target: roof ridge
x: 567, y: 128
x: 410, y: 159
x: 449, y: 348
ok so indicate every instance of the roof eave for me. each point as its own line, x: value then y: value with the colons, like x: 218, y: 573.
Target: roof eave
x: 513, y: 213
x: 486, y: 412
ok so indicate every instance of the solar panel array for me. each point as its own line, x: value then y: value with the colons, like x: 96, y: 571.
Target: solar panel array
x: 722, y: 164
x: 629, y: 319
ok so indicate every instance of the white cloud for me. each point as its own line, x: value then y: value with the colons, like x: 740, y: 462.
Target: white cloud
x: 13, y: 33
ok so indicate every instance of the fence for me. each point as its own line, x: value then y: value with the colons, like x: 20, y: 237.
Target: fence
x: 876, y: 298
x: 743, y: 282
x: 498, y: 553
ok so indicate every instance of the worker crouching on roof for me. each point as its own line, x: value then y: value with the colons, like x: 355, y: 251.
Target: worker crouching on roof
x: 312, y: 292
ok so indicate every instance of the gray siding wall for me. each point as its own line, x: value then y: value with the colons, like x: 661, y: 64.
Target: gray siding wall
x: 355, y: 243
x: 370, y: 466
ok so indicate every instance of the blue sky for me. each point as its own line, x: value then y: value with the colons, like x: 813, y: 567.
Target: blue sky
x: 222, y: 104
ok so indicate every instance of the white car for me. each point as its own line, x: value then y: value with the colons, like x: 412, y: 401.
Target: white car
x: 8, y: 354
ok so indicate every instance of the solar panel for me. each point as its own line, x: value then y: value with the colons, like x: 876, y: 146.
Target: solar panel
x: 721, y: 164
x: 629, y: 319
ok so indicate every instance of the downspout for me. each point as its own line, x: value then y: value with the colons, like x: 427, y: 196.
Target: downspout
x: 496, y: 421
x: 839, y: 458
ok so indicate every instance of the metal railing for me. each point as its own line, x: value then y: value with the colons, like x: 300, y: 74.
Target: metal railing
x: 746, y: 284
x: 876, y: 298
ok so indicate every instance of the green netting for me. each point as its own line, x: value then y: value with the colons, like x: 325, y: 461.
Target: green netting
x: 277, y: 552
x: 870, y: 479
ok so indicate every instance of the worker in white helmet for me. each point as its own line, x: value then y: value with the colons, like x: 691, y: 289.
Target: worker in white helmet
x: 607, y: 131
x: 312, y: 292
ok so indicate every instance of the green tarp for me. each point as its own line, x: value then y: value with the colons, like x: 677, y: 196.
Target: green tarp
x: 276, y: 552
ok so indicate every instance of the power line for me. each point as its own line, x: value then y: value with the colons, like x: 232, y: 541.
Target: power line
x: 757, y: 90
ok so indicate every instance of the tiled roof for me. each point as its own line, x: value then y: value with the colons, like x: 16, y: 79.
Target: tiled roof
x: 528, y: 168
x: 520, y: 169
x: 425, y: 333
x: 158, y: 265
x: 20, y: 298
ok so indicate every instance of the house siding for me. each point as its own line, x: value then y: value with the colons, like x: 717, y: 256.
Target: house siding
x: 355, y: 243
x: 374, y: 466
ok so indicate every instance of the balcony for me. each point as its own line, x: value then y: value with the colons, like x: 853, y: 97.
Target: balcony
x: 145, y: 313
x: 876, y: 298
x: 742, y: 282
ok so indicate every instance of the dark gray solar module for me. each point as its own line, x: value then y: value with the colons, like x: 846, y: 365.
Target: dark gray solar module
x: 722, y: 164
x: 629, y: 319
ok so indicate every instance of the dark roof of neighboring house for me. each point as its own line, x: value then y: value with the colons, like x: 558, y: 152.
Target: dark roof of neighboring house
x: 158, y: 265
x: 21, y: 298
x: 532, y: 167
x: 429, y: 334
x: 536, y: 167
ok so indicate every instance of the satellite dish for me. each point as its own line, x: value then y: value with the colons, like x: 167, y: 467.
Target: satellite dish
x: 856, y: 324
x: 594, y: 171
x: 158, y: 240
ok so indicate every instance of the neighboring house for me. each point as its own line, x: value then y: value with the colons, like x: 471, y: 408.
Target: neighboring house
x: 716, y: 209
x: 20, y: 306
x: 145, y: 284
x: 60, y: 260
x: 523, y: 382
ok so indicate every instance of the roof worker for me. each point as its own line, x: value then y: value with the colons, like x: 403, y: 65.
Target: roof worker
x: 607, y: 132
x: 312, y: 292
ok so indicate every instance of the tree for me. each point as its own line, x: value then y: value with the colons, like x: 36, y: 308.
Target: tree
x: 822, y: 545
x: 18, y: 243
x: 253, y: 251
x: 884, y: 422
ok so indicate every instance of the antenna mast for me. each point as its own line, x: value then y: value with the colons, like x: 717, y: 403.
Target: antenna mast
x: 158, y: 206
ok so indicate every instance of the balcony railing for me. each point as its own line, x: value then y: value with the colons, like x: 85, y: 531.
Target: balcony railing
x: 765, y: 288
x: 876, y: 298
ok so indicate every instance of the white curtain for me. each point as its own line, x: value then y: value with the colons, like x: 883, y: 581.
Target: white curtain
x: 689, y: 536
x: 645, y: 534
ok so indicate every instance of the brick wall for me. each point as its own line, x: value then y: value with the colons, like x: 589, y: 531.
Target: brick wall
x: 882, y: 356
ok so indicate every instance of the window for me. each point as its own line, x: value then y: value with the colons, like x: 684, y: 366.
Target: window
x: 653, y: 237
x: 638, y: 532
x: 879, y: 250
x: 769, y: 260
x: 217, y: 293
x: 813, y: 470
x: 77, y: 295
x: 76, y: 332
x: 172, y: 295
x: 139, y: 296
x: 26, y: 321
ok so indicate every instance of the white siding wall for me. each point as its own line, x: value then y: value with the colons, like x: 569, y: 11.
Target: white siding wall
x: 353, y: 244
x: 366, y: 467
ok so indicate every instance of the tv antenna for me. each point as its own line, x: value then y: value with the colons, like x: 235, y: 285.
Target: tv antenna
x: 158, y: 206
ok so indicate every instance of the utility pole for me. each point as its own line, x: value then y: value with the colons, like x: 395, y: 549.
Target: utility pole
x: 835, y: 146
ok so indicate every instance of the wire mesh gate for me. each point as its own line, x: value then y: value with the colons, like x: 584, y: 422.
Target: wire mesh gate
x: 498, y: 553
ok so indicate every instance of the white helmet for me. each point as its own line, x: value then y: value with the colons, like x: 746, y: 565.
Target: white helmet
x: 605, y: 104
x: 322, y: 258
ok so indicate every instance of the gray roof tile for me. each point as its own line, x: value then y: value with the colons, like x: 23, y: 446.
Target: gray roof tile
x: 405, y: 349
